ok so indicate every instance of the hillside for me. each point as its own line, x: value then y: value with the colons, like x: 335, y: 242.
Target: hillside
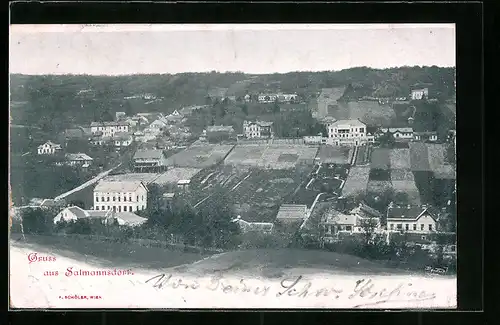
x: 55, y: 102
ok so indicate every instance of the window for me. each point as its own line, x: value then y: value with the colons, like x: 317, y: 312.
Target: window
x: 130, y: 208
x: 142, y: 197
x: 421, y: 227
x: 114, y: 198
x: 97, y: 199
x: 407, y: 227
x: 361, y: 130
x: 103, y: 208
x: 119, y: 209
x: 97, y: 207
x: 137, y: 198
x: 399, y: 226
x: 130, y: 198
x: 414, y: 227
x: 119, y: 198
x: 107, y: 199
x: 391, y: 226
x: 430, y: 227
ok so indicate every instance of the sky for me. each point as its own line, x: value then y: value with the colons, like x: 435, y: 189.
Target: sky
x: 250, y: 48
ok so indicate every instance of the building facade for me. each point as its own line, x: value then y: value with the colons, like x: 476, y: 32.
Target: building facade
x: 417, y: 219
x: 108, y: 129
x: 48, y: 148
x: 258, y: 129
x: 348, y: 133
x: 120, y: 196
x: 418, y: 94
x: 149, y: 160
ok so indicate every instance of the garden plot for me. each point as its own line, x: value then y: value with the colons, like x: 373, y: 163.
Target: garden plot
x: 357, y: 180
x: 419, y: 157
x: 199, y: 156
x: 174, y: 175
x: 335, y: 154
x: 437, y: 162
x: 378, y: 186
x: 245, y: 155
x: 363, y: 155
x: 400, y: 159
x: 380, y: 159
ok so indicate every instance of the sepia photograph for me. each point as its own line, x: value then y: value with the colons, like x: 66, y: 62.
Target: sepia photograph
x: 232, y: 166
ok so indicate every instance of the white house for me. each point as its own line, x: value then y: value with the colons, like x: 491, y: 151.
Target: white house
x: 122, y: 139
x: 49, y: 148
x: 417, y: 94
x: 399, y: 133
x: 120, y: 196
x: 258, y: 129
x: 75, y: 213
x: 78, y: 159
x: 247, y: 98
x: 418, y: 219
x: 108, y: 129
x: 359, y: 220
x: 245, y: 226
x: 348, y: 132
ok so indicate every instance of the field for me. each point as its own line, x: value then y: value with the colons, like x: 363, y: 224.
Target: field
x: 400, y: 159
x: 357, y: 180
x: 327, y: 97
x: 380, y: 159
x: 199, y: 156
x: 431, y: 158
x: 272, y: 156
x: 174, y: 175
x: 369, y: 112
x: 378, y: 186
x: 363, y: 155
x: 335, y: 154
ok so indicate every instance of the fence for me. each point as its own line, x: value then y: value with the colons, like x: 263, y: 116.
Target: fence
x: 168, y: 244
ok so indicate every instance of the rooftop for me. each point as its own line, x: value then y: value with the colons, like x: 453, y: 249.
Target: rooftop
x: 115, y: 123
x: 333, y: 216
x: 117, y: 186
x: 77, y: 156
x: 292, y: 212
x: 410, y: 212
x: 148, y: 154
x: 356, y: 123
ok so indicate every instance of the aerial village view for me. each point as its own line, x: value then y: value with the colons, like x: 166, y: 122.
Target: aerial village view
x: 308, y: 167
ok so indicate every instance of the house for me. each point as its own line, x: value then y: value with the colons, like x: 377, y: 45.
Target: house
x: 78, y: 159
x: 127, y: 219
x: 149, y: 160
x: 49, y: 148
x: 218, y: 133
x: 425, y: 136
x: 122, y: 139
x: 75, y: 213
x: 159, y: 124
x: 419, y: 219
x: 399, y: 134
x: 183, y: 184
x: 120, y: 196
x: 418, y: 94
x: 245, y: 226
x: 290, y: 213
x: 348, y: 132
x: 108, y: 129
x: 247, y: 98
x: 120, y: 115
x: 258, y: 129
x: 267, y: 98
x: 359, y: 220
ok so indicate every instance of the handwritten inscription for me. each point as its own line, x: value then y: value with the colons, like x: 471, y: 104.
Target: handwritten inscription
x: 364, y: 292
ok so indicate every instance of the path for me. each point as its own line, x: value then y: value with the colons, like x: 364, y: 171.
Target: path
x: 86, y: 184
x: 309, y: 212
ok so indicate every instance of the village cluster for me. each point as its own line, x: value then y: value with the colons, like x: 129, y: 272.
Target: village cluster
x: 301, y: 182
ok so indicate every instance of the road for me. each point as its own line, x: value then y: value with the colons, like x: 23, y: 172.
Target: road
x: 311, y: 210
x: 87, y: 183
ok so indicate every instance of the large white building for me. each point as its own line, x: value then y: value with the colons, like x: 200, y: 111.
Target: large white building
x: 48, y: 148
x: 417, y: 94
x: 347, y: 132
x: 120, y: 196
x: 108, y: 129
x: 258, y: 129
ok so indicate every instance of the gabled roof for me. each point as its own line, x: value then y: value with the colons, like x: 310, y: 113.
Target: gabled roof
x: 50, y: 143
x: 130, y: 218
x: 366, y: 211
x: 117, y: 186
x: 78, y: 212
x: 77, y: 157
x: 410, y: 212
x: 148, y: 154
x: 394, y: 130
x: 355, y: 123
x: 292, y: 212
x: 333, y: 216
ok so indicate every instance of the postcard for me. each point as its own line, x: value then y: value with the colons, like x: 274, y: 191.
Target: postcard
x: 232, y: 166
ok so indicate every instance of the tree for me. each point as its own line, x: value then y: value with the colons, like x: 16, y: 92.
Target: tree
x: 387, y: 140
x: 78, y: 203
x: 37, y: 221
x: 368, y: 226
x: 244, y: 108
x: 276, y: 107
